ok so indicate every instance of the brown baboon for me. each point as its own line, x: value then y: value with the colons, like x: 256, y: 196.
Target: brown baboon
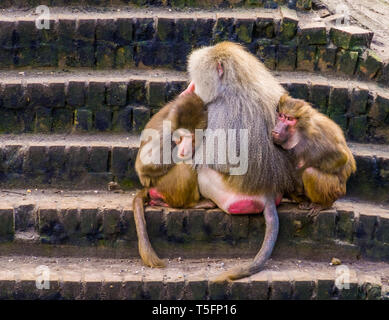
x: 169, y: 184
x: 321, y: 157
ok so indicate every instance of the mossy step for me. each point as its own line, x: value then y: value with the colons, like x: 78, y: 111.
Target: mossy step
x: 101, y: 223
x: 297, y: 4
x: 83, y: 161
x: 104, y: 279
x: 106, y: 39
x: 123, y: 101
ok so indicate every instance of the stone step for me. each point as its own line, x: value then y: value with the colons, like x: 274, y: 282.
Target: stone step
x: 92, y: 161
x: 106, y: 39
x: 297, y: 4
x: 101, y: 223
x: 122, y: 101
x: 105, y: 279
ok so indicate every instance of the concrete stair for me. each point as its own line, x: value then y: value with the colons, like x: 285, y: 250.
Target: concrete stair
x: 73, y: 101
x: 91, y: 161
x: 123, y: 101
x: 100, y: 223
x: 160, y: 37
x: 107, y: 279
x: 298, y: 4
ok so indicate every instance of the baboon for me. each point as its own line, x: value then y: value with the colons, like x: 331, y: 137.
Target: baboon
x: 322, y: 160
x: 169, y: 184
x: 241, y: 93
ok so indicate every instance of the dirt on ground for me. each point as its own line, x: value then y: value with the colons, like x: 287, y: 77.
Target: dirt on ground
x: 22, y: 266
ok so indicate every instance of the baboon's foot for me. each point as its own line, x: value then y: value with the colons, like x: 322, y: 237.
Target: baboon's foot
x: 305, y: 205
x: 158, y: 203
x: 205, y: 204
x: 315, y: 211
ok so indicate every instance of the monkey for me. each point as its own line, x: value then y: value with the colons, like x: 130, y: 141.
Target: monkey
x: 322, y: 159
x: 242, y: 94
x: 169, y: 184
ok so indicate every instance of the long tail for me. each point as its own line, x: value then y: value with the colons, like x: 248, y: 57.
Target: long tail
x: 272, y: 226
x: 146, y: 251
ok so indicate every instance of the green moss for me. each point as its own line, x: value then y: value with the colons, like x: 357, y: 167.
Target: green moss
x: 346, y: 62
x: 124, y: 57
x: 127, y: 183
x: 306, y: 58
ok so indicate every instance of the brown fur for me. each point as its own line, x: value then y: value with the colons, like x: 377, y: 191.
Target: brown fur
x: 323, y: 151
x: 176, y: 182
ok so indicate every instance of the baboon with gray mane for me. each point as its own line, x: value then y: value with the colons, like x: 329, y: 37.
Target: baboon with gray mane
x: 241, y: 93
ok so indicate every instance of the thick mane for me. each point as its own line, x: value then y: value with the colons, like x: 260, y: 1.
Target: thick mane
x: 239, y: 66
x: 262, y: 85
x: 245, y: 98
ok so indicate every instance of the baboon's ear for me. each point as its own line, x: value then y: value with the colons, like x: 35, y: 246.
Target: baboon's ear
x: 283, y: 99
x: 220, y: 69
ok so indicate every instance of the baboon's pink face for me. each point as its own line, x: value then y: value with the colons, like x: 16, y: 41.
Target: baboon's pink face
x: 185, y: 144
x: 284, y: 129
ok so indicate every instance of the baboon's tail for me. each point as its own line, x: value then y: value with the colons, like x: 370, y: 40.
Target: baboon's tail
x: 146, y: 251
x: 272, y: 226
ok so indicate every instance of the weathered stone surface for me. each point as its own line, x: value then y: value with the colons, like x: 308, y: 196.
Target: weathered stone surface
x: 13, y: 96
x: 166, y: 29
x: 156, y: 93
x: 319, y: 96
x: 83, y: 119
x: 303, y: 286
x: 43, y: 120
x: 338, y: 101
x: 357, y: 128
x: 264, y: 28
x: 346, y: 62
x: 350, y: 37
x: 304, y: 4
x: 286, y: 57
x: 306, y: 58
x: 289, y: 25
x: 299, y: 90
x: 267, y: 53
x: 371, y: 180
x: 7, y: 227
x: 383, y: 74
x: 369, y: 65
x: 122, y: 119
x: 141, y: 115
x: 326, y: 58
x: 311, y: 34
x: 223, y: 30
x: 301, y: 4
x: 244, y: 30
x: 380, y: 110
x: 95, y: 97
x: 359, y: 100
x: 62, y: 120
x: 345, y: 225
x: 175, y: 225
x: 144, y: 29
x: 117, y: 94
x: 76, y: 93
